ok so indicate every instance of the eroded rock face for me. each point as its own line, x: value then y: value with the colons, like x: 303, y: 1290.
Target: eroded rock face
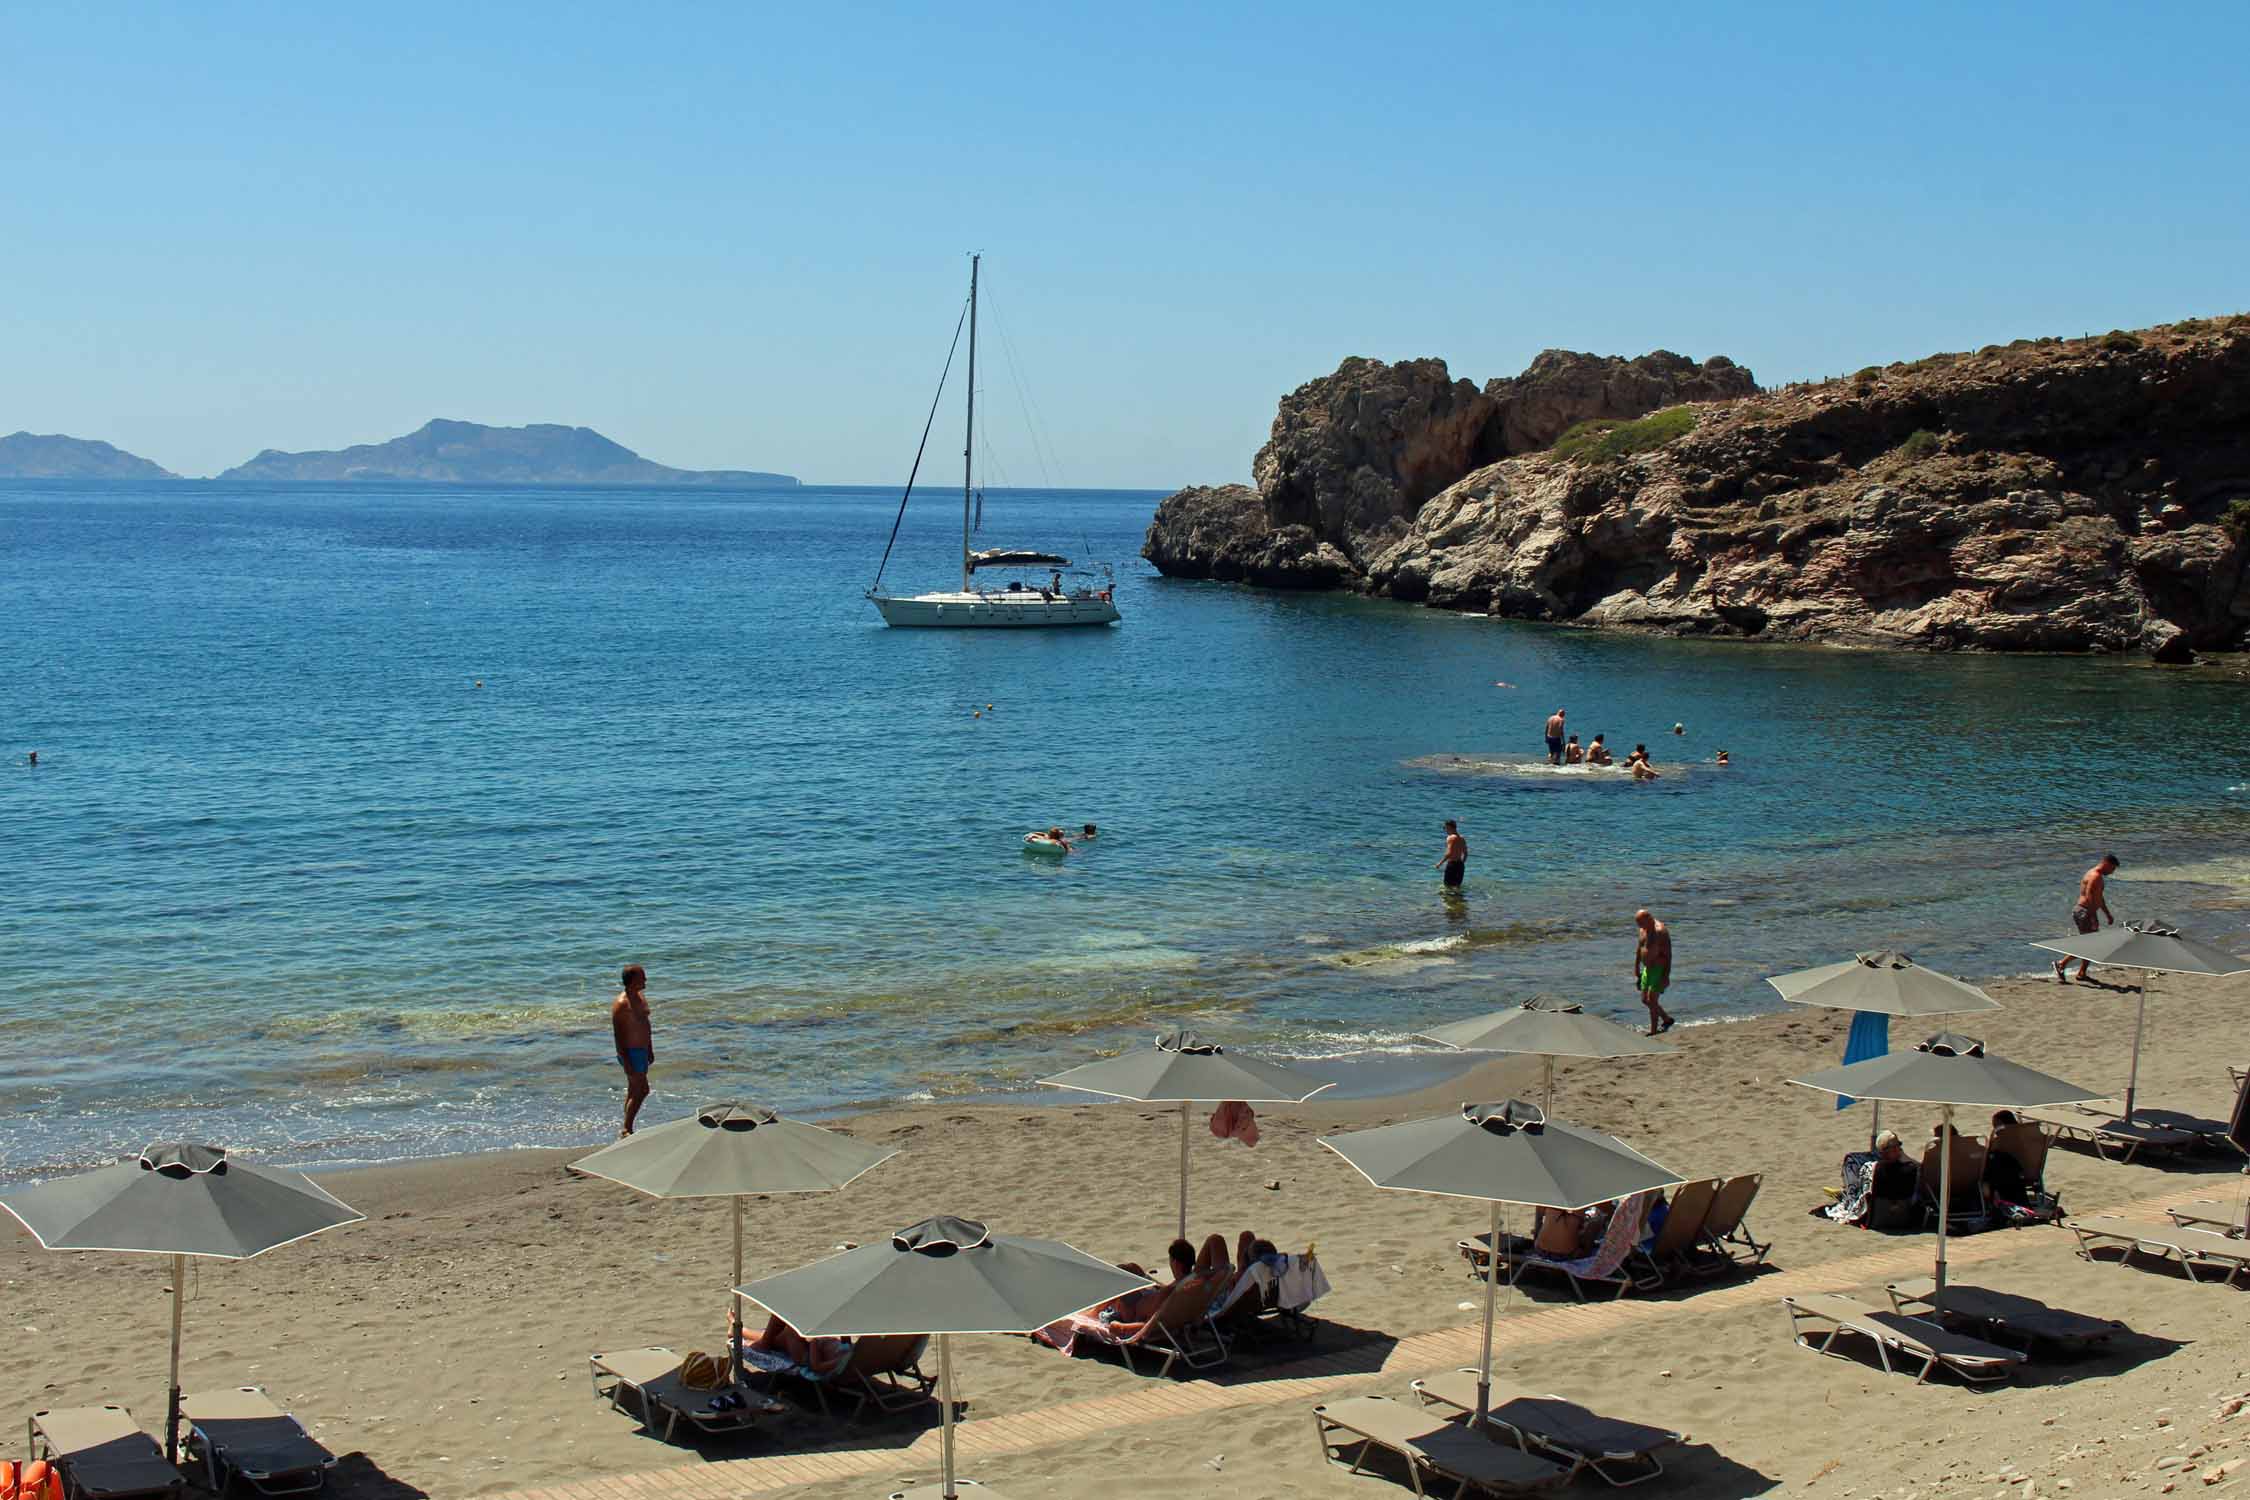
x: 1220, y: 531
x: 1560, y: 389
x: 2049, y: 496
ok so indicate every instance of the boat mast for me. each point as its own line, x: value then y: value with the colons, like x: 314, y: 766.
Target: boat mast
x: 968, y: 446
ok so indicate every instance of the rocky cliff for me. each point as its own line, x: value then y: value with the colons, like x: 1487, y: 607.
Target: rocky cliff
x: 2089, y: 494
x: 31, y: 455
x: 447, y: 452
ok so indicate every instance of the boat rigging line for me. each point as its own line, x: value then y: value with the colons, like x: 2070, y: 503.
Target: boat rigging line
x: 928, y: 422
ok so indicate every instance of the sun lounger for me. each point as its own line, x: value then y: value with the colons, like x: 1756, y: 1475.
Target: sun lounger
x: 1266, y: 1295
x: 2112, y: 1137
x: 2005, y: 1318
x: 2199, y: 1251
x: 1440, y: 1457
x: 1914, y: 1340
x: 652, y: 1377
x: 884, y: 1372
x: 1621, y: 1453
x: 1604, y: 1267
x: 1180, y: 1329
x: 2228, y: 1219
x: 240, y: 1434
x: 101, y: 1453
x: 1672, y: 1249
x: 1726, y: 1231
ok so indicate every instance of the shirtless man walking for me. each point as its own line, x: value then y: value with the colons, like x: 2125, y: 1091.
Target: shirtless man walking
x: 1554, y: 738
x: 2093, y: 898
x: 628, y: 1021
x: 1455, y: 860
x: 1652, y: 969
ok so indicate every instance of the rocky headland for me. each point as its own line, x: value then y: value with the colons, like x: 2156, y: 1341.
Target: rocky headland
x: 448, y: 452
x: 2069, y: 495
x: 32, y: 455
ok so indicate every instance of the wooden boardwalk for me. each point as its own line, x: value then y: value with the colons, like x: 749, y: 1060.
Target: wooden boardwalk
x: 1311, y: 1379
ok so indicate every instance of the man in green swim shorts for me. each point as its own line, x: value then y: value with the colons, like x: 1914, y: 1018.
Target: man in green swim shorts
x: 1652, y: 969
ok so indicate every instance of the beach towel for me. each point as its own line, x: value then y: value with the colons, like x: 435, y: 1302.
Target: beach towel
x: 1302, y: 1283
x: 1859, y: 1186
x: 1237, y: 1121
x: 1870, y: 1037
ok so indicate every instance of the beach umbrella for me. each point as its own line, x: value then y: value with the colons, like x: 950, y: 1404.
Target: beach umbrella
x: 2153, y: 948
x: 1546, y: 1027
x: 1878, y: 986
x: 178, y: 1198
x: 1182, y: 1067
x: 732, y: 1151
x: 942, y: 1276
x: 1951, y: 1072
x: 1501, y: 1153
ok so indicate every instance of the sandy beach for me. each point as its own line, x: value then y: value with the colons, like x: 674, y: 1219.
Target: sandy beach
x: 441, y: 1346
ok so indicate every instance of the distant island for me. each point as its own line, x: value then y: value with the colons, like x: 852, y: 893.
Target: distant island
x: 447, y: 452
x: 31, y: 455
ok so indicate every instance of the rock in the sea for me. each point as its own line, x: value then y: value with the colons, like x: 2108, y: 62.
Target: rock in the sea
x: 2049, y: 495
x: 1220, y: 531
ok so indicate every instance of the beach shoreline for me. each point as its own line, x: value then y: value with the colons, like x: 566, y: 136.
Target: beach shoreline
x: 442, y: 1342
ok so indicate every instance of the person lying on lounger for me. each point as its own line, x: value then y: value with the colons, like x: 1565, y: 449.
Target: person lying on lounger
x: 1209, y: 1263
x: 821, y: 1356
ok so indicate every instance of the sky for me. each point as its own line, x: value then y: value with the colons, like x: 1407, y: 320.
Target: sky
x: 736, y: 236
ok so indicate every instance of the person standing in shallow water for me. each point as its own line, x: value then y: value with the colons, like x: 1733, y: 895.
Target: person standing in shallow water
x: 636, y: 1049
x: 2092, y: 905
x: 1554, y: 738
x: 1455, y: 860
x: 1652, y: 969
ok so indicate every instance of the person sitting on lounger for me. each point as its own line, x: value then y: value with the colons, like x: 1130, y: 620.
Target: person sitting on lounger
x: 1135, y: 1309
x: 2009, y: 1152
x: 820, y: 1356
x: 1562, y: 1233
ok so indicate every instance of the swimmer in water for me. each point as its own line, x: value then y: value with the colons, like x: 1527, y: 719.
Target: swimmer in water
x: 1597, y: 754
x: 1638, y: 764
x: 1572, y: 755
x: 1504, y: 684
x: 1055, y: 836
x: 1723, y: 759
x: 35, y: 757
x: 1088, y: 831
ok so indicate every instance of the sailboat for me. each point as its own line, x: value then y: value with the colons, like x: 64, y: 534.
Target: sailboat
x: 1018, y: 605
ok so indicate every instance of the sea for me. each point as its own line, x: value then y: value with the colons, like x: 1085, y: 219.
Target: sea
x: 351, y: 802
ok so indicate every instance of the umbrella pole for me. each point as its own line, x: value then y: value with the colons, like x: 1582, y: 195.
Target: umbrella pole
x: 2133, y: 1078
x: 1491, y: 1298
x: 1945, y: 1189
x: 172, y: 1400
x: 1875, y: 1124
x: 945, y: 1403
x: 1547, y: 1093
x: 1183, y: 1167
x: 734, y: 1303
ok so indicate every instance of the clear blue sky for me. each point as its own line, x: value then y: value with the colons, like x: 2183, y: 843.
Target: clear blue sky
x: 734, y: 235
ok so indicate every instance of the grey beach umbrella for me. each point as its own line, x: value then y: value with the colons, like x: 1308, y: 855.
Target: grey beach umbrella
x: 732, y: 1151
x: 1887, y: 983
x: 1951, y: 1072
x: 942, y: 1276
x: 1182, y: 1067
x: 1883, y: 983
x: 1502, y: 1153
x: 179, y: 1199
x: 1548, y: 1028
x: 2152, y: 947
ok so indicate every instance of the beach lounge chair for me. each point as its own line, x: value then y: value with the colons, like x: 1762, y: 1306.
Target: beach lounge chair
x: 240, y: 1434
x: 884, y: 1372
x: 101, y: 1453
x: 2229, y: 1219
x: 1440, y: 1457
x: 652, y: 1377
x: 1265, y: 1296
x: 2028, y: 1143
x: 2200, y: 1252
x: 2112, y: 1137
x: 1914, y: 1340
x: 1672, y: 1249
x: 1180, y: 1329
x: 2005, y: 1318
x: 1726, y: 1230
x: 1971, y: 1207
x: 1604, y: 1267
x: 1620, y: 1453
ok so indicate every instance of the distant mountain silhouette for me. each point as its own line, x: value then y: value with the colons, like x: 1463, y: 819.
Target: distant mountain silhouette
x: 445, y: 452
x: 29, y: 455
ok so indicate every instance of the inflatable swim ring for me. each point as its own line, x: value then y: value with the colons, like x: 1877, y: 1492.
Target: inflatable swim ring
x: 1039, y: 843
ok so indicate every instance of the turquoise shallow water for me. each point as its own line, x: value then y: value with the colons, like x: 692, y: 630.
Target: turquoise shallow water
x: 287, y: 878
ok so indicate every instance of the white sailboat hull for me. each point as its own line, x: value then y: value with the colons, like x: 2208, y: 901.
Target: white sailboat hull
x: 998, y: 610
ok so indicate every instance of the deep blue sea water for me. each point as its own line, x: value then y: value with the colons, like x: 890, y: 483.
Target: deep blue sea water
x: 288, y: 877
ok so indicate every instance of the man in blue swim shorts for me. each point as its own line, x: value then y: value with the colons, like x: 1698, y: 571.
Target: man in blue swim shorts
x: 628, y: 1021
x: 1554, y: 737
